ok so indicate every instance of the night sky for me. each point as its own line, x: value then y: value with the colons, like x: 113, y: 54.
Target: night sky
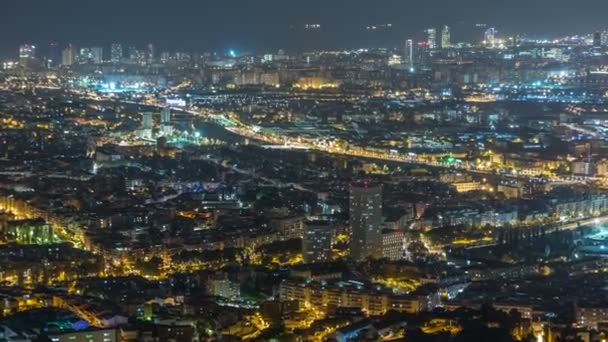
x: 245, y: 25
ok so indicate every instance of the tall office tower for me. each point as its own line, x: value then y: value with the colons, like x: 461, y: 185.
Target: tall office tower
x: 597, y: 39
x: 409, y: 54
x: 446, y: 39
x: 604, y: 38
x: 136, y: 55
x: 365, y: 220
x: 116, y: 53
x: 316, y: 245
x: 165, y: 56
x: 165, y: 122
x: 150, y: 53
x: 68, y: 55
x: 432, y: 38
x: 490, y: 36
x: 84, y: 55
x: 27, y: 52
x: 133, y: 53
x: 96, y: 55
x: 423, y: 53
x: 53, y: 57
x: 146, y: 120
x: 147, y: 123
x: 165, y: 115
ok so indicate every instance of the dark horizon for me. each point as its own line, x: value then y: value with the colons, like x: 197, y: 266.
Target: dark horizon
x: 189, y: 25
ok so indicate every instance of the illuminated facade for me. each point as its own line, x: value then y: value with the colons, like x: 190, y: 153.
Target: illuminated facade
x: 409, y: 53
x: 432, y: 38
x: 352, y: 295
x: 147, y: 121
x: 27, y: 51
x: 490, y: 36
x: 393, y: 245
x: 365, y: 220
x: 116, y: 53
x: 31, y: 232
x: 317, y: 242
x: 68, y: 55
x: 446, y: 40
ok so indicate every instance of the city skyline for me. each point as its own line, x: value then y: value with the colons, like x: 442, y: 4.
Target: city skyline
x: 193, y: 26
x: 316, y: 171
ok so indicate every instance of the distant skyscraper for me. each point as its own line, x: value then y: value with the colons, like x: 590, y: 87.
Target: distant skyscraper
x: 365, y: 220
x: 490, y: 36
x: 446, y: 38
x: 147, y: 121
x: 97, y: 55
x: 150, y: 53
x: 422, y: 54
x: 84, y: 55
x: 116, y: 53
x: 92, y: 55
x: 604, y: 38
x: 136, y: 55
x: 316, y: 245
x: 165, y: 122
x: 27, y: 51
x: 133, y: 53
x: 165, y: 56
x: 409, y: 53
x: 68, y: 55
x: 165, y: 115
x: 597, y: 39
x: 432, y: 38
x: 53, y: 57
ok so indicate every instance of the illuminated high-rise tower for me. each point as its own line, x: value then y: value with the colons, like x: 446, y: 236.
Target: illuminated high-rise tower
x: 27, y: 54
x: 165, y: 122
x: 365, y: 220
x: 446, y: 38
x: 92, y: 55
x: 53, y: 57
x: 27, y: 51
x: 96, y: 55
x: 147, y: 124
x: 116, y: 53
x: 316, y: 244
x: 68, y: 55
x: 604, y: 38
x: 432, y: 38
x: 597, y: 39
x: 490, y: 36
x: 409, y: 54
x: 150, y: 53
x: 146, y: 121
x: 165, y: 115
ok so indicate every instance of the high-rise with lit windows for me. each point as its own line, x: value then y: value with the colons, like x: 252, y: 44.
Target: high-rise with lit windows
x: 446, y: 38
x: 365, y: 220
x: 97, y: 55
x: 316, y: 245
x: 116, y: 53
x: 165, y: 122
x: 597, y: 39
x: 490, y: 36
x: 27, y: 51
x: 68, y: 55
x: 409, y: 54
x: 432, y: 38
